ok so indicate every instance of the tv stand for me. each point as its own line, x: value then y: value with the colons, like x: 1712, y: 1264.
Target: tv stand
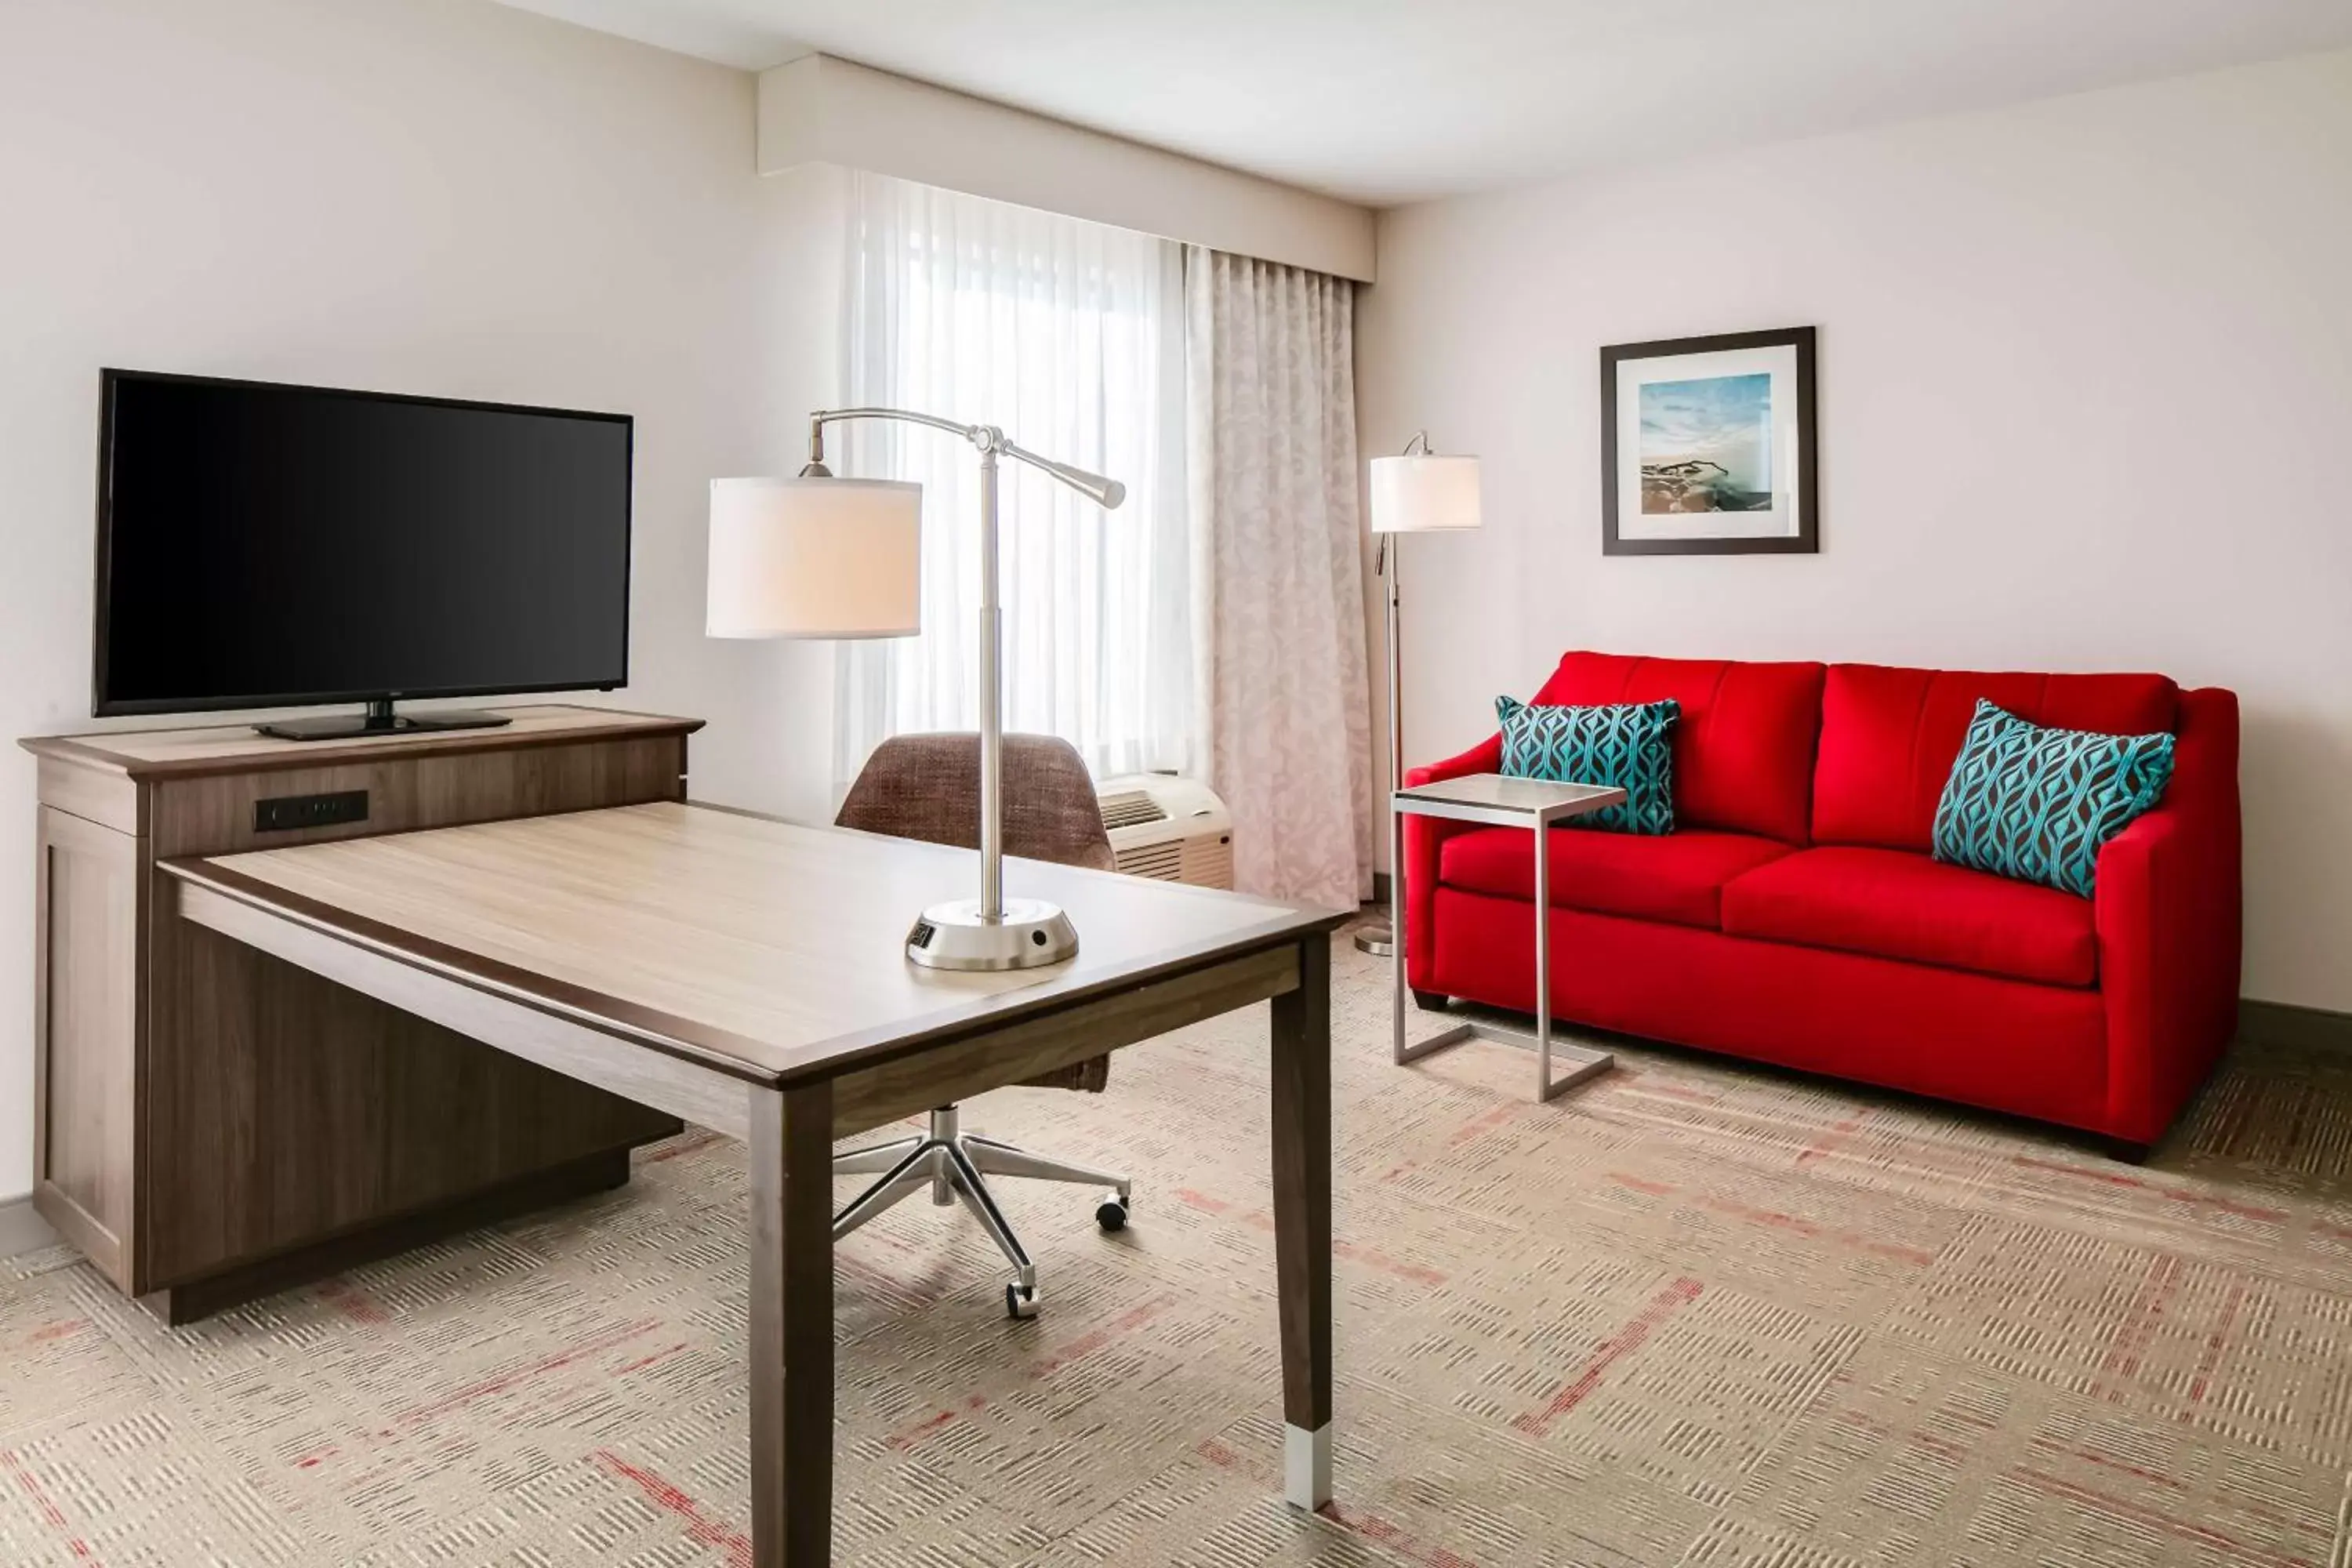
x: 379, y: 720
x: 211, y: 1125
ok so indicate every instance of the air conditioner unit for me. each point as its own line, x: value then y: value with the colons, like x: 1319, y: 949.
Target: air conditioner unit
x: 1174, y: 830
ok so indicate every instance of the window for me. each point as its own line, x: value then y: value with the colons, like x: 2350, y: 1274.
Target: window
x: 1069, y: 336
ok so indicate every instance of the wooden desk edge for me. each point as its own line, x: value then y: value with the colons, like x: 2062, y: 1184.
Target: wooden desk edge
x: 750, y: 1060
x: 1332, y: 918
x: 709, y: 1048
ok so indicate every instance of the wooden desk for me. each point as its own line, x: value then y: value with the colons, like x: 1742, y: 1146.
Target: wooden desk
x: 747, y: 974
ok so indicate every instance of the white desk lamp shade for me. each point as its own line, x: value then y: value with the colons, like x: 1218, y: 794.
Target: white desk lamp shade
x: 1423, y: 493
x: 815, y: 558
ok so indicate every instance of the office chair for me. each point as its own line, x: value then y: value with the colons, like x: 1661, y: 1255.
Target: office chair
x: 928, y: 787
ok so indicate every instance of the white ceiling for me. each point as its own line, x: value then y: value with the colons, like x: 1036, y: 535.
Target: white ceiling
x: 1391, y: 100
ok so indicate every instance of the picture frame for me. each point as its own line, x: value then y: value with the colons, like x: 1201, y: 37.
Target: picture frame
x: 1707, y: 446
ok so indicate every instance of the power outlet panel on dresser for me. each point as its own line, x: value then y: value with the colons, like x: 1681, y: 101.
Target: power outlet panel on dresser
x: 212, y: 1125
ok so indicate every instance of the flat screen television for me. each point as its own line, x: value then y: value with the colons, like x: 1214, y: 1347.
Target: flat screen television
x: 265, y: 546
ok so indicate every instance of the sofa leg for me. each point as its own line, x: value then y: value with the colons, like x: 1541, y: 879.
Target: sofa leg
x: 2124, y: 1151
x: 1430, y: 1001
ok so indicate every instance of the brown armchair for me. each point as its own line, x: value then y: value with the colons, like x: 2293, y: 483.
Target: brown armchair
x: 928, y: 787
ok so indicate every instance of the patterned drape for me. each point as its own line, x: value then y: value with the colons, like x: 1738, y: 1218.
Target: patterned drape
x: 1280, y: 681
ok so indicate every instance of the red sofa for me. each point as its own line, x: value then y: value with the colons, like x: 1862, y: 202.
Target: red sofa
x: 1794, y: 916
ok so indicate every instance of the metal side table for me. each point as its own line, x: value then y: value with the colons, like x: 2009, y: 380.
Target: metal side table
x: 1500, y: 801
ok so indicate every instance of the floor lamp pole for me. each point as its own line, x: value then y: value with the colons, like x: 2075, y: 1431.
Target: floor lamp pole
x: 1373, y: 939
x: 1416, y: 491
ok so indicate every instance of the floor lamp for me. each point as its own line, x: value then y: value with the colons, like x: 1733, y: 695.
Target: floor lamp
x: 818, y: 557
x: 1415, y: 492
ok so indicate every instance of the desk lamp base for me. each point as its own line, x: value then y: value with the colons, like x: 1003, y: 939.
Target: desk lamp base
x: 1030, y: 934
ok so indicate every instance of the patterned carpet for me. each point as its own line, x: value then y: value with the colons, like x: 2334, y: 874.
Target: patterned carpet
x: 1693, y: 1314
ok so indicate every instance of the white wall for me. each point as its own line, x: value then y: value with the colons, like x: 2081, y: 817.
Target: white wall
x: 441, y: 197
x: 2085, y: 388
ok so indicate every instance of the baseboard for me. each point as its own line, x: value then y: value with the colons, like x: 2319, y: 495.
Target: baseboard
x: 1381, y: 887
x: 2284, y: 1023
x: 21, y: 1229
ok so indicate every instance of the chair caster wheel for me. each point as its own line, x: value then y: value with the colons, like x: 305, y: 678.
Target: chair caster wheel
x: 1111, y: 1212
x: 1019, y: 1301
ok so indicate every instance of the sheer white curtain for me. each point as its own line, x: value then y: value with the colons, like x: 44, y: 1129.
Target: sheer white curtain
x: 1279, y: 587
x: 1069, y: 335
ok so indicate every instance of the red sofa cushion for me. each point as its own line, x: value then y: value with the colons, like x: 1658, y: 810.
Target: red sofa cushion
x: 2038, y: 1050
x: 1891, y: 903
x: 1888, y: 738
x: 1744, y: 749
x: 1677, y: 877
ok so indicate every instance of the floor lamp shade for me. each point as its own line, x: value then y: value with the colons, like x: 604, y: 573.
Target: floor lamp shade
x: 815, y: 558
x: 1423, y: 493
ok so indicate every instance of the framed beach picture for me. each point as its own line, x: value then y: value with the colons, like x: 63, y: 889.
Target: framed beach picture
x: 1706, y: 445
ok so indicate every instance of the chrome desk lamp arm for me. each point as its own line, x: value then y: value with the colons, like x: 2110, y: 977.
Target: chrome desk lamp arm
x: 987, y: 934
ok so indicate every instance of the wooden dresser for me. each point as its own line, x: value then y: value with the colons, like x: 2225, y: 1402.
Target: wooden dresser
x: 213, y: 1125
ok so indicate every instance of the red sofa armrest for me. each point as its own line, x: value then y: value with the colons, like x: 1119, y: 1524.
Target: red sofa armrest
x: 2168, y: 906
x: 1423, y: 836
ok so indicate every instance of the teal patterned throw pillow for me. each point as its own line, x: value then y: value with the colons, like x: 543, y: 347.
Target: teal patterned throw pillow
x: 1628, y: 744
x: 2037, y: 803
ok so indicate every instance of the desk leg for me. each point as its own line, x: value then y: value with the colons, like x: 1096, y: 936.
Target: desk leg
x: 792, y: 1327
x: 1302, y: 1221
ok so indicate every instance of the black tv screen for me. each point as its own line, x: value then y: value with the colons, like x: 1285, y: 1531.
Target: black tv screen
x: 263, y: 546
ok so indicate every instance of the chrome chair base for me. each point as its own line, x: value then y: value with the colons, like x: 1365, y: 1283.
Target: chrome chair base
x: 955, y: 1165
